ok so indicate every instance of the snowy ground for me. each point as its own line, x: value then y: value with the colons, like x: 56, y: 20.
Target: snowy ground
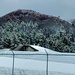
x: 34, y: 63
x: 7, y: 71
x: 35, y: 67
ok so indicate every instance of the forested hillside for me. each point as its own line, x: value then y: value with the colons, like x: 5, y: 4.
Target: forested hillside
x: 30, y: 27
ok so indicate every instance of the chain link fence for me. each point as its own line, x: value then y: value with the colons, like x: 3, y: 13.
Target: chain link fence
x: 36, y: 63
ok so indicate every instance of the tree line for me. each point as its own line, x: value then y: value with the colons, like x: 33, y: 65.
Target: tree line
x: 13, y: 34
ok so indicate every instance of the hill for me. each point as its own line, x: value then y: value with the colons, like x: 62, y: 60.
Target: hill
x: 31, y: 27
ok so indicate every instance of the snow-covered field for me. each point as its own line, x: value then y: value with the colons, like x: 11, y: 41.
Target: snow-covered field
x: 35, y: 63
x: 7, y: 71
x: 35, y: 67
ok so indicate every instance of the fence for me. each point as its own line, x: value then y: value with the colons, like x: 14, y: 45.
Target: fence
x: 36, y: 63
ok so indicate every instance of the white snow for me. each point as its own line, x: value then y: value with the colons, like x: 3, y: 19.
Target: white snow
x: 30, y: 64
x: 42, y: 49
x: 6, y: 62
x: 49, y: 51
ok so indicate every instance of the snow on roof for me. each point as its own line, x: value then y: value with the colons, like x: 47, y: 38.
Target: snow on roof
x: 39, y: 50
x: 42, y: 49
x: 49, y: 51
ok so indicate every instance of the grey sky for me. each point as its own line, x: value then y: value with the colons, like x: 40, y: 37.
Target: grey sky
x: 63, y: 8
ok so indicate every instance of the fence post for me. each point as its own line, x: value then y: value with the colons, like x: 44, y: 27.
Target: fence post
x: 47, y: 63
x: 13, y: 64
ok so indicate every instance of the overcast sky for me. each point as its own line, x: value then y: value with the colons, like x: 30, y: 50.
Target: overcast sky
x: 63, y: 8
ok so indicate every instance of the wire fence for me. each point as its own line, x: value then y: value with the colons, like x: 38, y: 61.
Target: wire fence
x: 36, y: 60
